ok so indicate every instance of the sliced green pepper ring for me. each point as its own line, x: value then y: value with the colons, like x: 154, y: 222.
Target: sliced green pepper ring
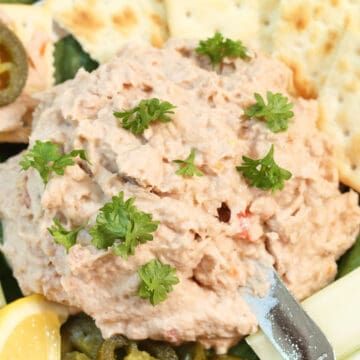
x: 108, y: 349
x: 13, y: 66
x: 158, y: 350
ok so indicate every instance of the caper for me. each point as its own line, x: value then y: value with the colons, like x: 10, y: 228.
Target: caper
x: 13, y: 66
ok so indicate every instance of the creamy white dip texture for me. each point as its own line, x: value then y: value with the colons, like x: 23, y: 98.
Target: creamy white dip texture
x: 301, y: 230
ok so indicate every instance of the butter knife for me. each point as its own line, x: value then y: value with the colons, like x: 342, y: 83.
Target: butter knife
x: 285, y: 323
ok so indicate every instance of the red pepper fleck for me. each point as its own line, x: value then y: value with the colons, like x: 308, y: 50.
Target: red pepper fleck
x: 244, y: 225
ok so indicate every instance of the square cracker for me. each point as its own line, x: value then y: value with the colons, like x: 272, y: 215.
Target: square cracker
x: 102, y: 26
x: 340, y: 104
x: 237, y: 19
x: 305, y: 35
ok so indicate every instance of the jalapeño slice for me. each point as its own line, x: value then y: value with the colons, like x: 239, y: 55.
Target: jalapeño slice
x: 13, y: 66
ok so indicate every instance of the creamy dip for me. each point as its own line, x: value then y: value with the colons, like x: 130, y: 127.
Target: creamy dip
x: 301, y: 230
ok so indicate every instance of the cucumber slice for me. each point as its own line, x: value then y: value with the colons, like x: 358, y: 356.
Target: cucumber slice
x: 337, y: 312
x: 355, y: 356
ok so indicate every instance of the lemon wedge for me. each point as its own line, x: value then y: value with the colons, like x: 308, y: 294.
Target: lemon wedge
x: 30, y: 329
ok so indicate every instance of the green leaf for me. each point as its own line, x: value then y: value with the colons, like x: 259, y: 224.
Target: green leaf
x: 138, y: 119
x: 187, y: 167
x: 243, y: 351
x: 46, y: 158
x: 121, y: 225
x: 100, y: 238
x: 217, y: 48
x: 276, y: 112
x: 66, y: 238
x: 69, y: 58
x: 156, y: 281
x: 350, y: 261
x: 264, y: 173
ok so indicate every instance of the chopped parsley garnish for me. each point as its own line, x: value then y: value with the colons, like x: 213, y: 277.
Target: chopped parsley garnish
x: 122, y: 226
x: 138, y: 119
x: 187, y: 166
x: 276, y: 112
x: 264, y: 173
x: 66, y: 238
x: 217, y: 48
x: 157, y: 280
x: 46, y: 158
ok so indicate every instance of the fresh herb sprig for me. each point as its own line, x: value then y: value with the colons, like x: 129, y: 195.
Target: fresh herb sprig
x: 187, y: 167
x: 277, y: 112
x: 217, y: 48
x: 157, y: 280
x: 66, y: 238
x: 47, y: 158
x: 122, y: 226
x: 138, y: 119
x: 264, y: 173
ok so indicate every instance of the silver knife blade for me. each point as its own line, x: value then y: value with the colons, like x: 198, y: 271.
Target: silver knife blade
x: 289, y: 328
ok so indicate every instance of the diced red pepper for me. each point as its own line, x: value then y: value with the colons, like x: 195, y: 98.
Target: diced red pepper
x: 244, y: 223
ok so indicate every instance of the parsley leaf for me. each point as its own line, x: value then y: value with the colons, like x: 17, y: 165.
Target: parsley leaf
x: 46, y: 158
x: 276, y: 112
x: 264, y: 173
x: 217, y: 48
x: 157, y: 280
x: 64, y: 237
x: 187, y: 166
x: 138, y: 119
x: 121, y: 225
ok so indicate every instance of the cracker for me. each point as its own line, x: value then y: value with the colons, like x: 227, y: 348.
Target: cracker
x: 102, y: 27
x: 305, y: 35
x: 237, y: 19
x: 340, y: 104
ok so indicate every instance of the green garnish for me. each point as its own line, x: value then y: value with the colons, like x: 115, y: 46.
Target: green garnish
x: 264, y: 173
x: 138, y: 119
x: 217, y: 48
x: 46, y: 158
x: 157, y: 280
x: 276, y: 112
x: 66, y: 238
x: 121, y: 225
x: 187, y: 166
